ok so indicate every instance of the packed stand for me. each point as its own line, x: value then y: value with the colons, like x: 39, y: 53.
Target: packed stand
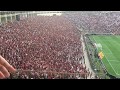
x: 43, y: 44
x: 96, y: 21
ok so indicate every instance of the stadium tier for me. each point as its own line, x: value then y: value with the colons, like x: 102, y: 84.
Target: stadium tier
x: 42, y: 44
x: 96, y: 21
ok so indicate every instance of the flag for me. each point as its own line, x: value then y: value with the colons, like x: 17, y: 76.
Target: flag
x: 101, y: 55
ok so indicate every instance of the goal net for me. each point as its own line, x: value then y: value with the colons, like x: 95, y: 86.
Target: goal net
x: 98, y: 46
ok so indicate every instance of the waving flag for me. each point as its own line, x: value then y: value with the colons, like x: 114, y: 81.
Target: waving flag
x: 101, y: 55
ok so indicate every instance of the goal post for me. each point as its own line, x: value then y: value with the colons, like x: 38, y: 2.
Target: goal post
x: 98, y: 46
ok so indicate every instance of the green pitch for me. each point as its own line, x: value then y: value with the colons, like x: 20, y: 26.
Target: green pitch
x: 111, y: 50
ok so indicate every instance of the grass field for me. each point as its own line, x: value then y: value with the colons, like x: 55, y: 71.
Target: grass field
x: 111, y: 50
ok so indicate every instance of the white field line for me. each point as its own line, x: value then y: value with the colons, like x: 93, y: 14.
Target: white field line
x: 102, y: 44
x: 111, y: 53
x: 114, y: 60
x: 107, y: 48
x: 108, y: 53
x: 108, y: 60
x: 117, y: 43
x: 112, y: 66
x: 117, y: 37
x: 105, y: 40
x: 110, y: 63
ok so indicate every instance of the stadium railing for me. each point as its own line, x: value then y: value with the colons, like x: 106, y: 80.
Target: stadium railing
x: 32, y: 74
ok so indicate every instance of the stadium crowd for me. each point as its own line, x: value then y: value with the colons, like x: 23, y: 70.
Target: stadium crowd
x: 43, y: 47
x: 97, y: 21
